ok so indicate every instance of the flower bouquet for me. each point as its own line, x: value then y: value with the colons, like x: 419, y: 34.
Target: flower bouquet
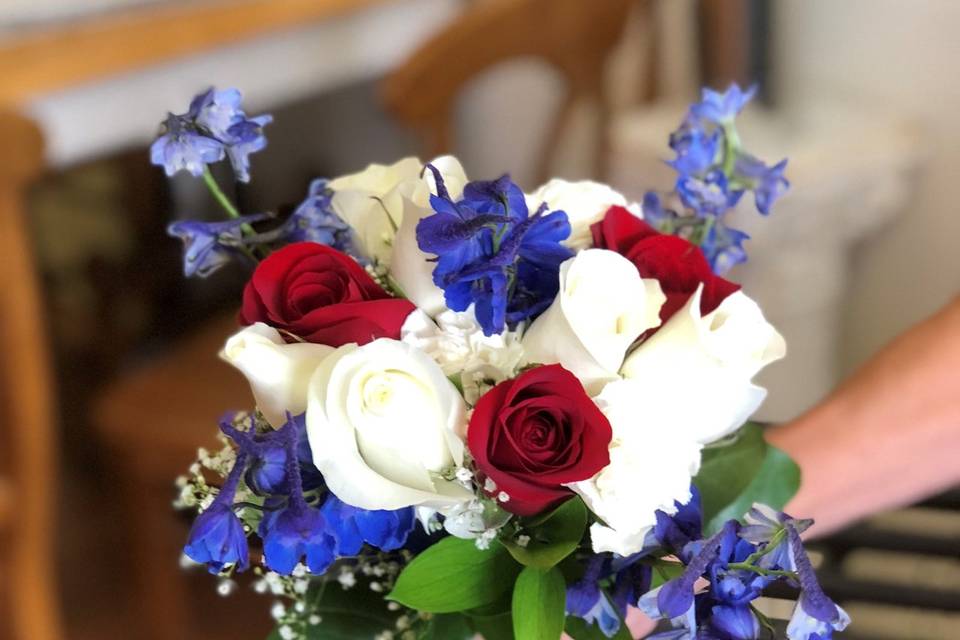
x: 484, y: 411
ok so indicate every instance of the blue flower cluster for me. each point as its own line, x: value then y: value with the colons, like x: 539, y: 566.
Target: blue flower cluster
x: 278, y: 466
x: 492, y: 253
x: 739, y: 563
x: 213, y: 127
x: 587, y: 599
x: 713, y: 173
x: 208, y: 246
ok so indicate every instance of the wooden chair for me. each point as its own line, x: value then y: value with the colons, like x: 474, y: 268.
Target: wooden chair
x: 153, y: 420
x: 28, y: 470
x: 576, y: 37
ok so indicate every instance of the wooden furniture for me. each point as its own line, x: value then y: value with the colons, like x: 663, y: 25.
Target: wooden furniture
x: 28, y: 474
x: 153, y: 420
x: 573, y: 36
x: 55, y: 58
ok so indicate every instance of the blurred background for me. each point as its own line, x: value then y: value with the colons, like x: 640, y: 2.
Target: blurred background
x: 109, y: 355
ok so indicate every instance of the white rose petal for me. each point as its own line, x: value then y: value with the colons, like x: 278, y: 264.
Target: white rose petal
x: 278, y: 372
x: 603, y: 306
x: 585, y: 203
x: 411, y: 268
x: 650, y: 468
x: 383, y: 422
x: 370, y: 202
x: 687, y: 385
x: 695, y: 372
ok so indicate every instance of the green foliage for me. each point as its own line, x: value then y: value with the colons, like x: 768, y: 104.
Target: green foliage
x: 552, y: 537
x: 577, y: 629
x: 664, y: 571
x: 447, y: 626
x: 539, y: 599
x: 774, y: 484
x: 453, y: 576
x: 356, y: 614
x: 734, y: 476
x: 494, y: 627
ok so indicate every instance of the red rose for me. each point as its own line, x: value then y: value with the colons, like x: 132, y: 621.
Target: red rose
x: 321, y: 295
x: 678, y: 264
x: 533, y: 434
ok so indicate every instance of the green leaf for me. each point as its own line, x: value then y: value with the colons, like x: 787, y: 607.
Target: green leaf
x: 539, y: 599
x: 664, y: 571
x: 453, y: 575
x: 447, y: 626
x: 552, y: 538
x: 355, y: 614
x: 578, y: 629
x: 774, y: 484
x: 494, y: 627
x: 727, y: 471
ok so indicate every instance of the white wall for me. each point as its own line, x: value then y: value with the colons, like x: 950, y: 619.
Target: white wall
x: 888, y: 55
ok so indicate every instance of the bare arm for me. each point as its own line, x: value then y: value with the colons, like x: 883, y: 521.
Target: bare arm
x: 886, y: 437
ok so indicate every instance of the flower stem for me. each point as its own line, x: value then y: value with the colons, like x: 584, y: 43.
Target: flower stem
x: 764, y: 572
x: 731, y: 144
x: 231, y: 210
x: 775, y: 541
x: 218, y: 193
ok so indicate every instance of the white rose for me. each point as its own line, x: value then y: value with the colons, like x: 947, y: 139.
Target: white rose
x: 383, y: 423
x: 585, y: 203
x: 371, y: 204
x: 650, y: 468
x: 695, y: 372
x: 603, y: 306
x: 687, y: 385
x: 409, y: 266
x: 278, y: 372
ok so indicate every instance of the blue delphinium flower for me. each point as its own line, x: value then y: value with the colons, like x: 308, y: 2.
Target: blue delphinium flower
x: 767, y: 183
x: 709, y: 195
x: 656, y: 214
x: 675, y: 532
x: 696, y: 149
x: 217, y: 538
x: 268, y: 472
x: 492, y: 253
x: 314, y: 220
x: 722, y: 108
x: 216, y: 111
x: 182, y: 147
x: 586, y: 600
x: 739, y: 563
x: 713, y: 173
x: 723, y: 247
x: 243, y: 138
x: 353, y: 527
x: 816, y: 616
x: 723, y: 611
x: 213, y: 127
x: 210, y: 245
x: 297, y: 532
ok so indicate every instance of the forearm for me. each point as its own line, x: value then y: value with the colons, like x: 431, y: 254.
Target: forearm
x: 887, y: 436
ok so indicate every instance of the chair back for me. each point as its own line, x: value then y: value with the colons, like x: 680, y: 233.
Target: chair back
x: 575, y: 37
x: 28, y: 469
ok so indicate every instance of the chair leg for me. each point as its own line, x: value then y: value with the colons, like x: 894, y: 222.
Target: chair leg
x: 28, y: 401
x: 156, y: 538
